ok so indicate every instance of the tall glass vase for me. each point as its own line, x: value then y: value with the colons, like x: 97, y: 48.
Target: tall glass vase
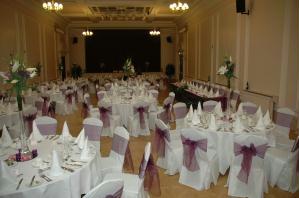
x: 24, y: 145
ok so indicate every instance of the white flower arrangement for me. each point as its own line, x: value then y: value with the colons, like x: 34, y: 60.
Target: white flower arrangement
x: 129, y: 67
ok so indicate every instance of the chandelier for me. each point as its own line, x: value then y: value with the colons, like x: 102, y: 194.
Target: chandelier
x: 52, y: 6
x: 87, y: 33
x: 154, y: 32
x: 179, y: 6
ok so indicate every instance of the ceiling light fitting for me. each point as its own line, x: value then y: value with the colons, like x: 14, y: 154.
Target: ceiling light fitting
x: 179, y: 6
x: 52, y: 6
x: 87, y: 33
x: 154, y: 32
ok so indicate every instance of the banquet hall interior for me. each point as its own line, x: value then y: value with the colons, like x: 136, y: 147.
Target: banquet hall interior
x: 149, y: 98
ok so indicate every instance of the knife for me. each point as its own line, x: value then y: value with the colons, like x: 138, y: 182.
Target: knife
x: 19, y: 184
x: 32, y: 180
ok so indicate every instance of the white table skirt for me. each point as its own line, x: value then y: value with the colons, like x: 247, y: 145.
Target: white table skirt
x: 68, y: 185
x: 224, y: 142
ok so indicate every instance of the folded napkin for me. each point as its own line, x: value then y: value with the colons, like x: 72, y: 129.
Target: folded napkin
x: 5, y: 139
x: 7, y: 178
x: 218, y: 109
x: 259, y: 112
x: 240, y: 109
x: 190, y: 113
x: 85, y: 151
x: 267, y: 119
x: 211, y: 93
x: 79, y: 136
x: 260, y: 123
x: 205, y: 91
x: 66, y: 132
x: 35, y: 136
x: 212, y: 124
x: 199, y: 109
x: 238, y: 126
x: 217, y: 93
x: 195, y: 119
x: 56, y: 169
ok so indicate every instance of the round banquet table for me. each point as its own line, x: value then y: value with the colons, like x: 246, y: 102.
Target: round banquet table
x: 68, y: 185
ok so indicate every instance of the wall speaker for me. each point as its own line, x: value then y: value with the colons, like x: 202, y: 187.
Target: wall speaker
x: 169, y: 39
x: 75, y: 40
x: 241, y: 7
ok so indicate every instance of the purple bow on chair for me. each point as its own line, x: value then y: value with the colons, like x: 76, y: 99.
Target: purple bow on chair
x: 85, y: 110
x: 69, y: 98
x: 29, y: 121
x: 159, y: 141
x: 76, y: 96
x: 141, y: 111
x: 167, y: 109
x: 51, y: 109
x: 151, y: 178
x: 248, y: 153
x: 45, y: 106
x: 117, y: 194
x: 189, y: 158
x: 104, y: 116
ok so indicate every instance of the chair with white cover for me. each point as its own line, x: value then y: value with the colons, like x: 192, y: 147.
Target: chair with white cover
x: 109, y: 121
x: 247, y: 177
x: 108, y: 86
x: 46, y: 125
x: 171, y: 95
x: 169, y: 149
x: 283, y: 121
x: 39, y: 106
x: 200, y: 161
x: 110, y: 188
x: 93, y: 128
x: 209, y: 105
x: 134, y: 184
x: 249, y: 107
x: 100, y: 95
x: 282, y: 167
x: 114, y: 162
x: 154, y: 93
x: 138, y: 123
x: 180, y: 112
x: 235, y: 99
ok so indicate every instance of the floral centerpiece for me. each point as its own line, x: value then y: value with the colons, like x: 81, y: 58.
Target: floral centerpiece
x: 128, y: 68
x: 17, y: 76
x: 227, y: 69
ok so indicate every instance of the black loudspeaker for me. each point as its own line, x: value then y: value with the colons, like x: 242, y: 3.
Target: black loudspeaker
x: 241, y: 6
x: 169, y: 39
x: 75, y: 40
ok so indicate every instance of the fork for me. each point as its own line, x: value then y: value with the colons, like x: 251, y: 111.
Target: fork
x: 40, y: 173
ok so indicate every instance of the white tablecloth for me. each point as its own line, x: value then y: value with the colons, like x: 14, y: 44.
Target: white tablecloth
x: 68, y: 185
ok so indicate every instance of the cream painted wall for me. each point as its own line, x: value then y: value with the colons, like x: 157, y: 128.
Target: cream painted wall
x: 264, y: 45
x: 28, y: 31
x: 77, y: 50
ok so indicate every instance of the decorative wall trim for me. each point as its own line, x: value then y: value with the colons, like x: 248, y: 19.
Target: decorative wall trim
x: 285, y: 54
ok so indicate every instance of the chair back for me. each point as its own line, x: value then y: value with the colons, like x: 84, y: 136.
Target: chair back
x: 180, y: 110
x: 100, y: 95
x: 209, y: 105
x: 249, y: 107
x: 284, y: 118
x: 171, y: 96
x: 144, y: 161
x: 107, y: 86
x: 119, y: 144
x: 46, y: 125
x: 164, y: 116
x: 112, y: 188
x: 93, y: 128
x: 154, y: 93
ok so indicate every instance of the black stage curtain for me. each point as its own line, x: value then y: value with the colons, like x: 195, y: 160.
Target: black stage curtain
x: 107, y: 50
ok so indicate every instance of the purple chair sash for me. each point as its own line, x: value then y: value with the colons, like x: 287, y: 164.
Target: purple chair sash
x: 117, y: 194
x: 119, y: 144
x: 141, y: 111
x: 45, y: 106
x: 85, y: 110
x: 164, y: 117
x: 189, y: 158
x: 208, y: 107
x: 167, y: 109
x: 283, y: 119
x: 159, y: 141
x: 76, y: 96
x: 47, y: 129
x: 29, y: 121
x: 93, y: 132
x: 51, y: 109
x: 248, y: 153
x: 151, y: 177
x: 69, y: 98
x: 105, y: 116
x: 295, y: 148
